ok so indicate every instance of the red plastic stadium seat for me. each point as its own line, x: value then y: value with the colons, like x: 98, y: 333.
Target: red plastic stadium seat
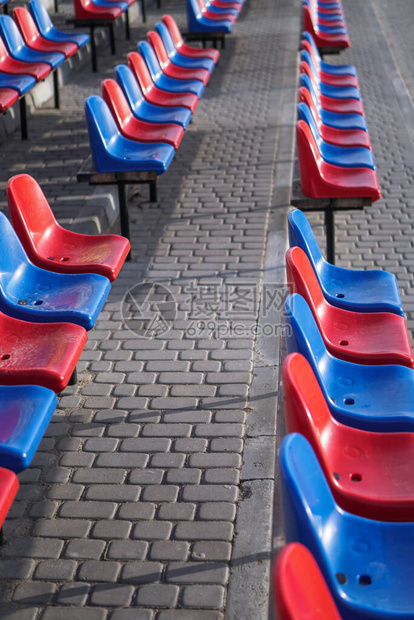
x: 323, y: 39
x: 9, y: 485
x: 8, y: 64
x: 205, y: 11
x: 299, y: 587
x: 54, y: 248
x: 152, y: 93
x: 322, y: 180
x: 39, y: 353
x: 34, y: 39
x: 8, y: 97
x: 183, y: 48
x: 359, y: 337
x: 86, y: 9
x: 370, y: 473
x: 132, y: 127
x: 169, y: 68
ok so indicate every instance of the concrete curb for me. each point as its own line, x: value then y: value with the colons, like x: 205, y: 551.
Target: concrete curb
x: 250, y: 590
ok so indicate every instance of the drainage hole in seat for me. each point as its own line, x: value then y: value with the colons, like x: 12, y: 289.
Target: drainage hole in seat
x: 364, y: 580
x: 340, y: 295
x: 38, y: 302
x: 344, y: 343
x: 50, y: 258
x: 22, y: 302
x: 5, y: 356
x: 356, y: 477
x: 349, y: 401
x: 341, y: 578
x: 64, y: 259
x: 336, y: 476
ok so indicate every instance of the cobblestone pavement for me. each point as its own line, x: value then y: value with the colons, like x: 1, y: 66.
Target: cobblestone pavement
x: 151, y: 495
x: 154, y: 482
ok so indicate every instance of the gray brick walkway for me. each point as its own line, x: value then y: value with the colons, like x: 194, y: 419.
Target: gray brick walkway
x: 152, y: 494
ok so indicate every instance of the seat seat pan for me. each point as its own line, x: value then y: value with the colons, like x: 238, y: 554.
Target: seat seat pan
x: 39, y: 70
x: 44, y: 354
x: 8, y: 96
x: 19, y: 83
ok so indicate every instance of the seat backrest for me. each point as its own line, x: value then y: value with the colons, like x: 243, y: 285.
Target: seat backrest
x: 299, y: 587
x: 116, y: 102
x: 307, y: 36
x: 305, y: 115
x: 303, y: 334
x: 166, y: 38
x: 306, y: 97
x: 302, y: 279
x: 12, y: 254
x: 173, y: 29
x: 305, y: 408
x: 25, y: 24
x: 10, y: 34
x: 40, y: 16
x: 307, y: 501
x: 101, y: 127
x: 129, y: 85
x: 148, y: 54
x: 305, y: 81
x: 30, y: 211
x: 140, y: 70
x: 302, y: 235
x: 157, y: 44
x: 193, y: 12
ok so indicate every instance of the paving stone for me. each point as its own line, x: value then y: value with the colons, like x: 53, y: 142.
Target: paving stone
x: 158, y: 595
x: 112, y: 595
x: 205, y: 597
x: 94, y: 570
x: 85, y: 549
x: 74, y: 593
x: 142, y: 572
x: 127, y: 550
x: 152, y: 530
x: 195, y: 572
x: 32, y: 593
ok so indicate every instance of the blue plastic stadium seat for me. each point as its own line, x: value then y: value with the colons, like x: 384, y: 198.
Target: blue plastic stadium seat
x: 351, y: 289
x: 164, y: 82
x: 33, y: 294
x: 19, y: 50
x: 111, y: 152
x: 197, y: 23
x: 25, y: 412
x: 373, y: 398
x: 366, y: 563
x: 328, y: 68
x: 177, y: 58
x: 48, y: 30
x: 342, y: 156
x: 147, y: 111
